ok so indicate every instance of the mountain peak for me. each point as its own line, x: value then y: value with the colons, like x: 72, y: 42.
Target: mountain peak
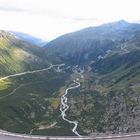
x: 120, y: 23
x: 123, y: 22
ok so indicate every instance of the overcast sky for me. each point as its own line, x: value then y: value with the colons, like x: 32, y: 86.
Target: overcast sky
x: 50, y: 18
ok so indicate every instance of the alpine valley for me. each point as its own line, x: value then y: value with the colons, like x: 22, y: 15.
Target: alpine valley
x: 82, y: 83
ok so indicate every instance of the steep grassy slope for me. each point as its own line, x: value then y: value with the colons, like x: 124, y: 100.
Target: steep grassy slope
x: 17, y: 55
x: 34, y: 102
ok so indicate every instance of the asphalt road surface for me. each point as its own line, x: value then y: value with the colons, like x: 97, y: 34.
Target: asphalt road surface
x: 129, y: 138
x: 2, y: 137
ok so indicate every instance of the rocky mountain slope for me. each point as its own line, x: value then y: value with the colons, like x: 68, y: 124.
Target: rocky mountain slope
x: 91, y: 43
x: 108, y: 101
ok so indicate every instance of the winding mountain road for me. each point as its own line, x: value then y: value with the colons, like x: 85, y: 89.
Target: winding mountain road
x: 28, y: 72
x: 31, y: 72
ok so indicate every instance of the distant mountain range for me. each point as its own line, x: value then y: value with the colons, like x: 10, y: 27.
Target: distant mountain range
x: 29, y: 38
x: 89, y: 43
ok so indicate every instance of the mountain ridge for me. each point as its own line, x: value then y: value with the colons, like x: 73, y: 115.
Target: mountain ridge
x: 29, y: 38
x: 103, y: 37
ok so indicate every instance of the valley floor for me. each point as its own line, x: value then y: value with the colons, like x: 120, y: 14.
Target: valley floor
x: 90, y: 105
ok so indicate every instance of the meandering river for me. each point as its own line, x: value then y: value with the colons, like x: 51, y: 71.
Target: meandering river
x: 64, y: 107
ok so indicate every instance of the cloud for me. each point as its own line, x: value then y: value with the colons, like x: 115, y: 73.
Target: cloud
x: 10, y: 9
x: 10, y: 6
x: 85, y: 19
x: 51, y: 18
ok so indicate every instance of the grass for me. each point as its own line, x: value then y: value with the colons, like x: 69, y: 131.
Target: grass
x: 4, y: 84
x: 39, y: 95
x: 18, y: 56
x: 54, y: 102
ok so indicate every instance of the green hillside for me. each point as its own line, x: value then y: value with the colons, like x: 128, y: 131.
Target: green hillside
x: 17, y: 56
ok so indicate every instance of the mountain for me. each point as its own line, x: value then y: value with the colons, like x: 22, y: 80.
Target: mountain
x: 89, y: 43
x: 108, y: 100
x: 17, y: 55
x: 29, y: 38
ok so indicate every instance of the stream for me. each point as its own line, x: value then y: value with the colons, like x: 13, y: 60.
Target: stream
x: 64, y: 107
